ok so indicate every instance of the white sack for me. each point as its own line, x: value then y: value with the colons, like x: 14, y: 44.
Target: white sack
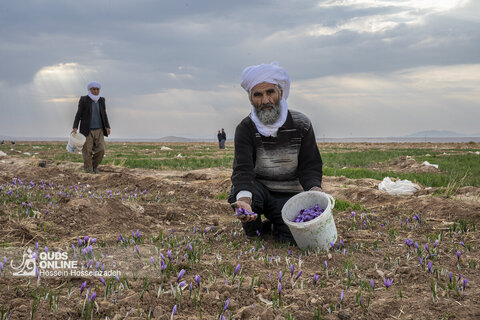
x: 398, y: 188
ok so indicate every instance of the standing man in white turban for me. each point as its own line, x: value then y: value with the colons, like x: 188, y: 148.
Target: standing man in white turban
x: 94, y: 125
x: 276, y: 154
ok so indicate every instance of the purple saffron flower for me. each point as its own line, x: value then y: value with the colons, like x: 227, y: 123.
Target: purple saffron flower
x: 387, y: 282
x: 429, y: 266
x: 298, y: 275
x: 5, y: 259
x: 180, y: 275
x: 326, y: 264
x: 279, y: 288
x: 462, y: 244
x: 292, y: 268
x: 450, y: 275
x: 94, y: 295
x: 416, y: 245
x: 46, y: 249
x: 116, y: 278
x: 89, y: 263
x: 102, y: 281
x: 226, y: 305
x: 315, y: 279
x: 426, y: 247
x: 1, y: 267
x: 153, y: 260
x: 169, y: 254
x: 421, y: 261
x: 83, y: 286
x: 458, y: 255
x: 465, y: 281
x: 341, y: 242
x: 36, y: 245
x: 182, y: 284
x: 197, y: 280
x: 372, y: 284
x: 86, y: 239
x: 341, y: 297
x: 174, y: 310
x: 435, y: 244
x: 136, y: 249
x: 237, y: 269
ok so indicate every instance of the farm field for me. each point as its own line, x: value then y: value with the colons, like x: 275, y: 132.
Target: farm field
x: 156, y: 222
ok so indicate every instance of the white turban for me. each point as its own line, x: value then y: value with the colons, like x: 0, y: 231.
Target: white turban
x: 271, y: 73
x: 274, y: 74
x: 93, y: 84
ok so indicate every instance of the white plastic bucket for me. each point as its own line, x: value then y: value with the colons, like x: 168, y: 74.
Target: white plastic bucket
x: 76, y: 140
x: 318, y: 232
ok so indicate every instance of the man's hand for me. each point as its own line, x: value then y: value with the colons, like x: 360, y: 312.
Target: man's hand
x: 244, y: 203
x: 108, y: 131
x: 74, y: 130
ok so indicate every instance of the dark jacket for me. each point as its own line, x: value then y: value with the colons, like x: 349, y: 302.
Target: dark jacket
x: 289, y: 162
x: 84, y: 115
x: 224, y: 135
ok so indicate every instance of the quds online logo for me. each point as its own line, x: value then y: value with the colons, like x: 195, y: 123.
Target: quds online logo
x: 46, y: 264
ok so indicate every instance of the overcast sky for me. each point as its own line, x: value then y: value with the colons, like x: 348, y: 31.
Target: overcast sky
x: 359, y: 68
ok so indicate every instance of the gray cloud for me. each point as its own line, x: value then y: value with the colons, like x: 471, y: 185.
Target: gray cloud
x: 154, y: 57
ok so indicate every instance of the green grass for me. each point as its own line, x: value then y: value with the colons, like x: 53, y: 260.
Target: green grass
x: 458, y: 167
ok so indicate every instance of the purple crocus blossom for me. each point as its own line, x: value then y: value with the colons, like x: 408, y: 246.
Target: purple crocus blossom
x: 280, y: 274
x: 94, y: 295
x: 83, y: 286
x: 462, y: 244
x: 465, y: 281
x: 102, y: 281
x: 237, y: 269
x: 341, y: 297
x: 459, y: 253
x: 315, y: 278
x: 153, y: 260
x: 279, y: 288
x: 426, y: 247
x: 429, y: 266
x: 174, y: 310
x: 182, y: 284
x: 180, y: 275
x: 1, y: 267
x: 450, y: 275
x: 298, y: 275
x: 326, y: 264
x: 372, y: 284
x: 197, y: 280
x: 387, y: 282
x: 226, y: 305
x: 292, y: 268
x: 435, y: 244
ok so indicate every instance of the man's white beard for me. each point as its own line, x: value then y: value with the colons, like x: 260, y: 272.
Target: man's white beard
x: 266, y: 115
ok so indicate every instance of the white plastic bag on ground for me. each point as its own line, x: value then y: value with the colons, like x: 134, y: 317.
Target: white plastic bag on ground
x: 165, y: 148
x: 428, y: 164
x: 2, y: 154
x: 398, y: 188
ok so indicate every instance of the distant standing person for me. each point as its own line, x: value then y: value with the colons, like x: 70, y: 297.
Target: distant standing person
x: 219, y: 136
x: 94, y: 125
x: 224, y: 138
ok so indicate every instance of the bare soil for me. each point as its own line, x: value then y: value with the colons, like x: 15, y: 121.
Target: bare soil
x: 176, y: 201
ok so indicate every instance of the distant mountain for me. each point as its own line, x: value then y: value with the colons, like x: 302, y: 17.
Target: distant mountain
x: 438, y: 133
